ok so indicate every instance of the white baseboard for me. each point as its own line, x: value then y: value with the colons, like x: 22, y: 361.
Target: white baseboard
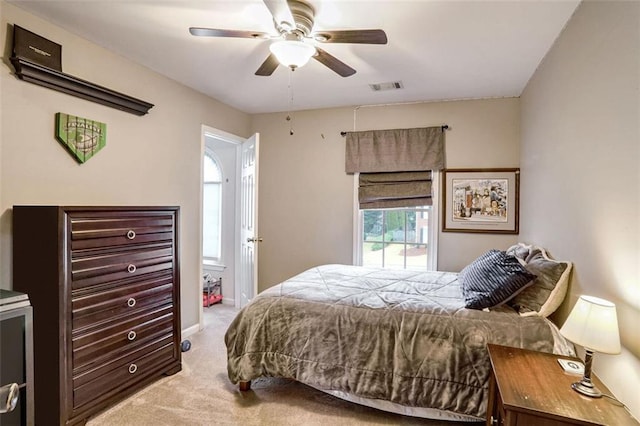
x: 226, y: 301
x: 189, y: 331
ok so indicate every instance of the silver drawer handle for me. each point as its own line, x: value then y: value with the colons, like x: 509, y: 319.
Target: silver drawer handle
x: 131, y: 234
x: 9, y: 396
x: 131, y: 268
x: 131, y: 302
x: 133, y: 368
x: 132, y: 335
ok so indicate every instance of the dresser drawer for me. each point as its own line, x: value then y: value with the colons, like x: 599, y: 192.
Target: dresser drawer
x: 90, y: 349
x: 122, y: 372
x: 102, y: 297
x: 95, y: 310
x: 98, y: 229
x: 109, y: 266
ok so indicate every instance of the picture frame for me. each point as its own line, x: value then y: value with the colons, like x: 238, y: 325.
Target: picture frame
x: 481, y: 200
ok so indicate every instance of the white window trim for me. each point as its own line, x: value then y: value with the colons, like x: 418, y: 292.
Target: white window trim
x: 357, y: 223
x: 210, y: 265
x: 208, y: 260
x: 434, y: 221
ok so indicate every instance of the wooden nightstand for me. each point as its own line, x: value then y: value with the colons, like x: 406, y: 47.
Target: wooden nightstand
x: 530, y: 388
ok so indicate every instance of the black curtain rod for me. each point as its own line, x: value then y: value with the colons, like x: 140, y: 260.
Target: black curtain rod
x: 445, y: 127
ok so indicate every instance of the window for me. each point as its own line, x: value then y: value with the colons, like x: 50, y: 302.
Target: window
x: 398, y: 238
x: 211, y: 208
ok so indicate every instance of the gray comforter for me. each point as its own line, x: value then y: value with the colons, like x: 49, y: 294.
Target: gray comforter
x: 396, y: 335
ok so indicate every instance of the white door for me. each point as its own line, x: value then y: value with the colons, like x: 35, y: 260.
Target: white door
x: 249, y: 238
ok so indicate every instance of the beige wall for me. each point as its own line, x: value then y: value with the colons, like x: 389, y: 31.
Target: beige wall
x: 581, y: 170
x: 150, y: 160
x: 306, y: 199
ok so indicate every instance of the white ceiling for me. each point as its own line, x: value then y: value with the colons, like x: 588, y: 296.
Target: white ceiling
x: 439, y: 50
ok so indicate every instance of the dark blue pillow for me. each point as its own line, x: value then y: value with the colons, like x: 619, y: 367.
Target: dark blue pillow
x: 492, y: 279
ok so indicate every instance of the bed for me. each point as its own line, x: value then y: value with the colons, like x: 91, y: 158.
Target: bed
x: 398, y: 340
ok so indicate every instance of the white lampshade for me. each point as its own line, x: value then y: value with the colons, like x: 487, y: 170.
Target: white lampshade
x: 593, y: 324
x: 291, y: 53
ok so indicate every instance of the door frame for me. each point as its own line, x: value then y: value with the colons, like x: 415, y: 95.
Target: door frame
x: 208, y: 131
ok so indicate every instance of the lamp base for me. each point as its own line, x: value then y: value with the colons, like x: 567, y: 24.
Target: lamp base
x: 586, y: 388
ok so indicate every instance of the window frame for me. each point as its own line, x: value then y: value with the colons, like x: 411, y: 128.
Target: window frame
x: 433, y: 224
x: 209, y: 153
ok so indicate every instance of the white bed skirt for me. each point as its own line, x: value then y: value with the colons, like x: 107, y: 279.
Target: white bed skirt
x: 423, y: 412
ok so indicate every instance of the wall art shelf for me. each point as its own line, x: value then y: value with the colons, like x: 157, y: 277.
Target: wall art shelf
x: 57, y: 80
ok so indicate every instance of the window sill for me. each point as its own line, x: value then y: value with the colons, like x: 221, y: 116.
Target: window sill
x: 211, y: 265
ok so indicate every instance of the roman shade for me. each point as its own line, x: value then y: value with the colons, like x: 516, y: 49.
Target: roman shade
x: 394, y: 189
x: 395, y: 166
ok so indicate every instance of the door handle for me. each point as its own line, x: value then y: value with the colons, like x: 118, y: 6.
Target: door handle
x: 10, y: 395
x: 254, y: 240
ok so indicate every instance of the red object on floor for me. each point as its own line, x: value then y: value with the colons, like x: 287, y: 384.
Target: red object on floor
x: 213, y: 299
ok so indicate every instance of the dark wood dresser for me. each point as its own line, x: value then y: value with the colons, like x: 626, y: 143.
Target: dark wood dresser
x: 104, y: 285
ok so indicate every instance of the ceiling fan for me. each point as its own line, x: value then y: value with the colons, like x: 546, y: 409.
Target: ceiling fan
x: 293, y: 20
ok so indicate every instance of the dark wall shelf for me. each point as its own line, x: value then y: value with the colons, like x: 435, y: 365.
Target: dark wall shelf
x: 56, y: 80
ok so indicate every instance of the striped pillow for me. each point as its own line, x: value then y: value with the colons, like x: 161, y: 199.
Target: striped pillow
x: 493, y: 279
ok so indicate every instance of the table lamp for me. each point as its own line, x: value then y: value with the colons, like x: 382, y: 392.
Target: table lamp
x: 593, y: 324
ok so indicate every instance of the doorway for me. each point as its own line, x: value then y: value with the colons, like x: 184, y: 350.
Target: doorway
x: 223, y: 207
x: 219, y: 256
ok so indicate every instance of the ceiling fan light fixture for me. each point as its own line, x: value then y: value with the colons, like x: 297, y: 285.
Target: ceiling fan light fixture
x: 291, y: 53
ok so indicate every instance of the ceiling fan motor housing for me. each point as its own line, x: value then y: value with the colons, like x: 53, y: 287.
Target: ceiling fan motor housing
x: 303, y: 14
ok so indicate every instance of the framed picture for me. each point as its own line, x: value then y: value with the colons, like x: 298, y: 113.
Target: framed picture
x: 481, y: 200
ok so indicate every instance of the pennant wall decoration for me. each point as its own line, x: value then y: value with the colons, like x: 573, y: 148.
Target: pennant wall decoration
x: 83, y: 138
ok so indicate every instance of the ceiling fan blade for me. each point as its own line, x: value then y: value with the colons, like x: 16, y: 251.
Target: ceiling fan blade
x: 334, y: 63
x: 268, y: 66
x: 280, y: 11
x: 213, y: 32
x: 351, y: 36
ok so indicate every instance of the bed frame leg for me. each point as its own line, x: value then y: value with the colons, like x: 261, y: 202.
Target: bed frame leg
x: 245, y: 386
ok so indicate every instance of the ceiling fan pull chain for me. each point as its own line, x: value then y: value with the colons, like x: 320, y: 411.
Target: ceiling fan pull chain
x: 290, y: 93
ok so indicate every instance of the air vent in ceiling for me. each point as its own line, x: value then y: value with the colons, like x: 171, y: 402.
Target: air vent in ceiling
x: 391, y: 85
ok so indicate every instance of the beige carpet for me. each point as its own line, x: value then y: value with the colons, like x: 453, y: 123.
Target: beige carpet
x: 201, y: 394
